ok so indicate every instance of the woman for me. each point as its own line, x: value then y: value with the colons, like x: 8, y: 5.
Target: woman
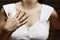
x: 37, y: 26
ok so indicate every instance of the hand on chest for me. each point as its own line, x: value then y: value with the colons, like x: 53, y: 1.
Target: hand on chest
x: 33, y: 15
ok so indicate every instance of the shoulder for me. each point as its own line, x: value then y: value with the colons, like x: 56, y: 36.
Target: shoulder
x: 2, y: 17
x: 9, y: 4
x: 2, y: 13
x: 12, y: 5
x: 53, y: 11
x: 47, y: 7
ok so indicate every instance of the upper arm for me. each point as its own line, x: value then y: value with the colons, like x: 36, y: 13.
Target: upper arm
x: 2, y: 19
x: 54, y: 20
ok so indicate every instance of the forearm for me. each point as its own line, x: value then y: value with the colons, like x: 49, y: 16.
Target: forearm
x: 5, y: 35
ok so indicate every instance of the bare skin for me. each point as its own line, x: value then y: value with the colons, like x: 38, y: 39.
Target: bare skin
x: 33, y: 15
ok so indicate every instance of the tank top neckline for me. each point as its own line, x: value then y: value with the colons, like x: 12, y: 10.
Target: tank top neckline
x: 38, y: 20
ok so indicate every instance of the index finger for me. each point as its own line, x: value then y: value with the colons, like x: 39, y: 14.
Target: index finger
x: 17, y: 13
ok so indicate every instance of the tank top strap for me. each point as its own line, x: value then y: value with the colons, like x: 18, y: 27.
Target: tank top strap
x: 10, y: 8
x: 45, y: 12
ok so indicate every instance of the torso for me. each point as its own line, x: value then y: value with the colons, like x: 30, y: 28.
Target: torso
x: 40, y: 30
x: 34, y: 14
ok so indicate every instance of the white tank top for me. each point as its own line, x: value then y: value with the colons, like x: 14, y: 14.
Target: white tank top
x: 40, y: 30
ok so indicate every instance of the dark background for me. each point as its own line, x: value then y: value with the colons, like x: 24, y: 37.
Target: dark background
x: 54, y: 34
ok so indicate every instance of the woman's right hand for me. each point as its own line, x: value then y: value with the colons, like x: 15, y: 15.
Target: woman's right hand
x: 17, y: 21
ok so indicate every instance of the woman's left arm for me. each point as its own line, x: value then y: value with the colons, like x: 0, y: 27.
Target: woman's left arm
x: 54, y: 20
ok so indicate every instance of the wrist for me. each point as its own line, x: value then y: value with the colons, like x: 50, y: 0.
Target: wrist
x: 7, y: 28
x: 5, y: 34
x: 6, y: 31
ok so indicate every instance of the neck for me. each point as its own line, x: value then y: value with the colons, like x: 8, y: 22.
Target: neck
x: 29, y: 5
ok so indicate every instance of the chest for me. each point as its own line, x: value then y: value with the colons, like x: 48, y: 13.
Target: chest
x: 33, y: 15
